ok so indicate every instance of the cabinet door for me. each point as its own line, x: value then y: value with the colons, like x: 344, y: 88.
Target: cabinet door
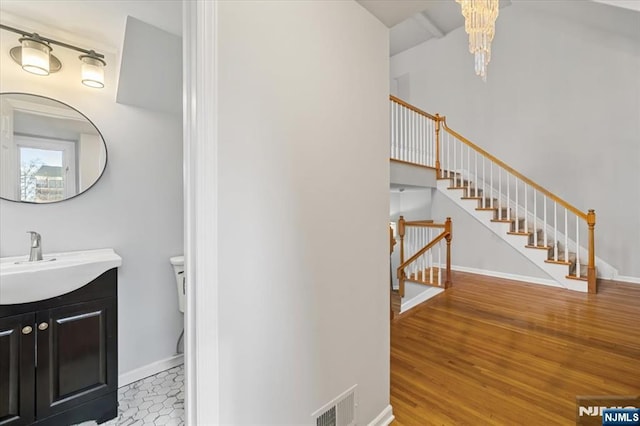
x: 76, y: 355
x: 17, y: 368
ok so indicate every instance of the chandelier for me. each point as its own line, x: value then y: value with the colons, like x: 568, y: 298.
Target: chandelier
x: 480, y: 23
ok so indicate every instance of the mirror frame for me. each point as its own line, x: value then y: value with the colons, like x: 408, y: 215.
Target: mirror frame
x: 104, y: 143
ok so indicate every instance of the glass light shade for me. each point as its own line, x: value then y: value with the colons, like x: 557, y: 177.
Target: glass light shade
x: 35, y: 56
x: 92, y: 72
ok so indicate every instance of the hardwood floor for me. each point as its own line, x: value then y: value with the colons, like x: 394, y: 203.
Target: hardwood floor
x: 491, y: 351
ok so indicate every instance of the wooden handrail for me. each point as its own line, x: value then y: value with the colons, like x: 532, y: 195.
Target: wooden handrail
x: 425, y: 224
x: 531, y: 183
x: 422, y: 251
x: 412, y: 108
x: 446, y: 234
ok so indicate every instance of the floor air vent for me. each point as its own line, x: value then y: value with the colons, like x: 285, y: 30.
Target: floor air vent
x: 339, y: 412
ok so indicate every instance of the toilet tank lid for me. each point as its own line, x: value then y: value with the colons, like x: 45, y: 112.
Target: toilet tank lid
x: 177, y: 260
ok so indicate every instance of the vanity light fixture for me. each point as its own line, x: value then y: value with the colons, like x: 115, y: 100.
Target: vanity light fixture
x: 34, y: 56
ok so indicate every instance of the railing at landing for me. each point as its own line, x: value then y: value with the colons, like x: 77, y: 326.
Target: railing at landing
x: 423, y: 139
x: 425, y: 263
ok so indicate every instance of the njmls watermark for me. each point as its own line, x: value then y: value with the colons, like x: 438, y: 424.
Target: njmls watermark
x: 608, y: 410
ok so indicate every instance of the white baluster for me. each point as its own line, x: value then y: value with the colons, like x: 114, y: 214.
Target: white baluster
x: 476, y: 171
x: 415, y: 248
x: 410, y: 135
x: 535, y: 218
x: 566, y: 236
x: 417, y: 132
x: 508, y: 197
x: 468, y: 170
x: 423, y: 124
x: 449, y: 155
x: 544, y: 228
x: 406, y: 135
x: 420, y: 140
x: 415, y: 139
x: 403, y: 132
x: 455, y: 177
x: 440, y: 263
x: 398, y: 132
x: 432, y: 144
x: 500, y: 193
x: 431, y: 131
x: 484, y: 190
x: 577, y: 246
x: 517, y: 227
x: 392, y: 129
x: 425, y: 140
x: 491, y: 184
x: 459, y: 166
x: 555, y: 231
x: 526, y: 211
x: 425, y: 130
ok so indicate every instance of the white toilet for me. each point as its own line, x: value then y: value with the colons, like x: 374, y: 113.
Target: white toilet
x: 178, y: 269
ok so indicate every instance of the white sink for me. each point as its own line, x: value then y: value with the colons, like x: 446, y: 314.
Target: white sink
x: 22, y: 281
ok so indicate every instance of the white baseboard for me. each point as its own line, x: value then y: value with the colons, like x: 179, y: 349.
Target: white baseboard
x: 514, y: 277
x: 149, y: 370
x: 385, y: 418
x: 627, y: 279
x: 422, y: 297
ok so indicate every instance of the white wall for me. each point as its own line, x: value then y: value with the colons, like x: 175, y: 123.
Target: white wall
x: 561, y: 105
x: 303, y: 166
x: 412, y: 203
x: 135, y: 208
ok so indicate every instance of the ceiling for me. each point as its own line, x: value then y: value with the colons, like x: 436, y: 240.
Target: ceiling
x: 412, y: 22
x: 101, y: 23
x: 98, y: 23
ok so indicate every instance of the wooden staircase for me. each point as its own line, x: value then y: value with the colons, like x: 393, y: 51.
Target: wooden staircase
x: 554, y: 250
x: 543, y: 227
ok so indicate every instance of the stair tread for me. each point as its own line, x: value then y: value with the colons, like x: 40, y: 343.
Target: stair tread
x: 573, y: 277
x: 539, y: 247
x: 558, y: 262
x: 526, y: 234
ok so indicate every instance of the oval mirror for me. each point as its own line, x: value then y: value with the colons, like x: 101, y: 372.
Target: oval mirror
x: 49, y: 151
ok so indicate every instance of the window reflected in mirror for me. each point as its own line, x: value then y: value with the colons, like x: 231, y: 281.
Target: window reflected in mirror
x: 49, y: 151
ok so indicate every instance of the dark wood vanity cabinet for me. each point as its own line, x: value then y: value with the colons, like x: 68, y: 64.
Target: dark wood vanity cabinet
x: 59, y: 358
x: 17, y: 373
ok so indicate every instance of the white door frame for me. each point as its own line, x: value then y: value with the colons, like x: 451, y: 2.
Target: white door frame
x: 199, y: 43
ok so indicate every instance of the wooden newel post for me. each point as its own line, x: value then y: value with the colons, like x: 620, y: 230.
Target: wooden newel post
x: 438, y: 118
x: 591, y: 269
x: 401, y: 231
x: 448, y: 228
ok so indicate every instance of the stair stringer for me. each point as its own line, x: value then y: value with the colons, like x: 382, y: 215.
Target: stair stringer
x: 557, y: 272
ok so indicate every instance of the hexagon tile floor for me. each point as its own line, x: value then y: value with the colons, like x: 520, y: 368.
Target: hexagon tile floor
x: 156, y: 400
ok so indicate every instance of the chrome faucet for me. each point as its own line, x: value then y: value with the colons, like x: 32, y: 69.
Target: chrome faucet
x: 35, y: 253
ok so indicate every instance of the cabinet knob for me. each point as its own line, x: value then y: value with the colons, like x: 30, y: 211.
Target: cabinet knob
x: 27, y: 329
x: 43, y: 326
